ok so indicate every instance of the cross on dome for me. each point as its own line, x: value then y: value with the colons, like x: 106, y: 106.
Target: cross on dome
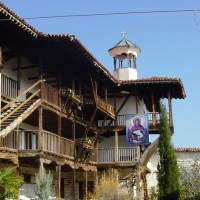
x: 123, y: 33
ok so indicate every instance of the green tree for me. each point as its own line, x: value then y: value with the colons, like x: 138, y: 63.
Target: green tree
x: 43, y: 181
x: 9, y: 183
x: 168, y: 171
x: 190, y: 180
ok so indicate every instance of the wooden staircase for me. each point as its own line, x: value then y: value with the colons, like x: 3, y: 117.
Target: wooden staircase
x: 17, y: 111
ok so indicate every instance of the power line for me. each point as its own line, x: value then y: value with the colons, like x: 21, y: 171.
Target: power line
x: 115, y: 13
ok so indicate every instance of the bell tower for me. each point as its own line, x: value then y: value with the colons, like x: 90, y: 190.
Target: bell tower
x: 124, y: 54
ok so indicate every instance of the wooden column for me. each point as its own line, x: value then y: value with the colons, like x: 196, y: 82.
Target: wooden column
x: 41, y: 165
x: 18, y: 75
x: 170, y: 109
x: 85, y: 185
x: 95, y: 86
x: 116, y: 146
x: 96, y: 179
x: 153, y: 109
x: 96, y: 145
x: 106, y: 95
x: 74, y: 136
x: 59, y: 133
x: 40, y: 128
x: 58, y: 181
x: 74, y: 170
x: 59, y: 87
x: 17, y: 138
x: 1, y: 64
x: 73, y: 182
x: 136, y: 103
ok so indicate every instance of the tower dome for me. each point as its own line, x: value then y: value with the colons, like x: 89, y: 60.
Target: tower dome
x: 124, y: 54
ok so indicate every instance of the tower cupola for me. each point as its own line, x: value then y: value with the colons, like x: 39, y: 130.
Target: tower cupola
x: 124, y: 54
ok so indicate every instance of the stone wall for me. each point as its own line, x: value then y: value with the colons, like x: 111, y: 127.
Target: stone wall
x: 184, y: 155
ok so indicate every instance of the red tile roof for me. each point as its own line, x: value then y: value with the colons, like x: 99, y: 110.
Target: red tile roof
x: 19, y: 21
x: 187, y: 149
x: 8, y: 14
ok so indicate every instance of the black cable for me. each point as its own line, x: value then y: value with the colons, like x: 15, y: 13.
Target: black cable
x: 116, y: 13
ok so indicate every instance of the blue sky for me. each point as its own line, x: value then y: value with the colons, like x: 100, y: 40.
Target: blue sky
x: 170, y: 43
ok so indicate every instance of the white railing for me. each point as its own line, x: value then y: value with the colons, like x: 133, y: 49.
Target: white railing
x: 27, y: 140
x: 128, y: 154
x: 121, y: 120
x: 122, y: 154
x: 106, y: 155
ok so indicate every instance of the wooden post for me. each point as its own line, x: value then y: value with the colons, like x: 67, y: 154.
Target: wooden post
x: 74, y: 136
x: 18, y: 75
x: 96, y: 179
x: 73, y: 178
x: 116, y: 146
x: 1, y: 64
x: 58, y: 180
x: 17, y: 138
x: 153, y: 108
x: 106, y: 95
x: 41, y: 165
x: 40, y: 75
x: 170, y: 109
x: 59, y: 134
x: 40, y: 129
x: 85, y: 185
x: 136, y: 103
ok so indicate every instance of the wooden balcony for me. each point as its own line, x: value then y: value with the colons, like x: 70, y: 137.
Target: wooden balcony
x: 27, y: 141
x: 153, y: 121
x: 101, y: 105
x: 8, y: 88
x: 121, y: 155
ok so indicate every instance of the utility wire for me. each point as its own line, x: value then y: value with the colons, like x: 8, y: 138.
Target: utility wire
x: 115, y: 13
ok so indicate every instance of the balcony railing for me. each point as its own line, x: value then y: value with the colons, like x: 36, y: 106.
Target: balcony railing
x: 153, y: 119
x: 28, y: 140
x: 50, y: 94
x: 8, y: 87
x: 119, y: 155
x: 101, y: 103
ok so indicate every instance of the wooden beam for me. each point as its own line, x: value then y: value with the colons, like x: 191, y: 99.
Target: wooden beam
x: 136, y: 103
x: 58, y: 180
x: 73, y: 178
x: 1, y: 60
x: 40, y: 128
x: 116, y: 146
x: 170, y: 109
x: 18, y: 74
x: 99, y: 134
x: 25, y: 67
x: 93, y: 89
x: 122, y: 105
x: 36, y: 77
x: 153, y: 108
x: 85, y: 185
x: 51, y: 81
x: 85, y: 135
x: 125, y: 100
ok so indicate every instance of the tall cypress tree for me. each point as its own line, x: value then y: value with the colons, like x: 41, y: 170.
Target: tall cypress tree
x: 168, y: 171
